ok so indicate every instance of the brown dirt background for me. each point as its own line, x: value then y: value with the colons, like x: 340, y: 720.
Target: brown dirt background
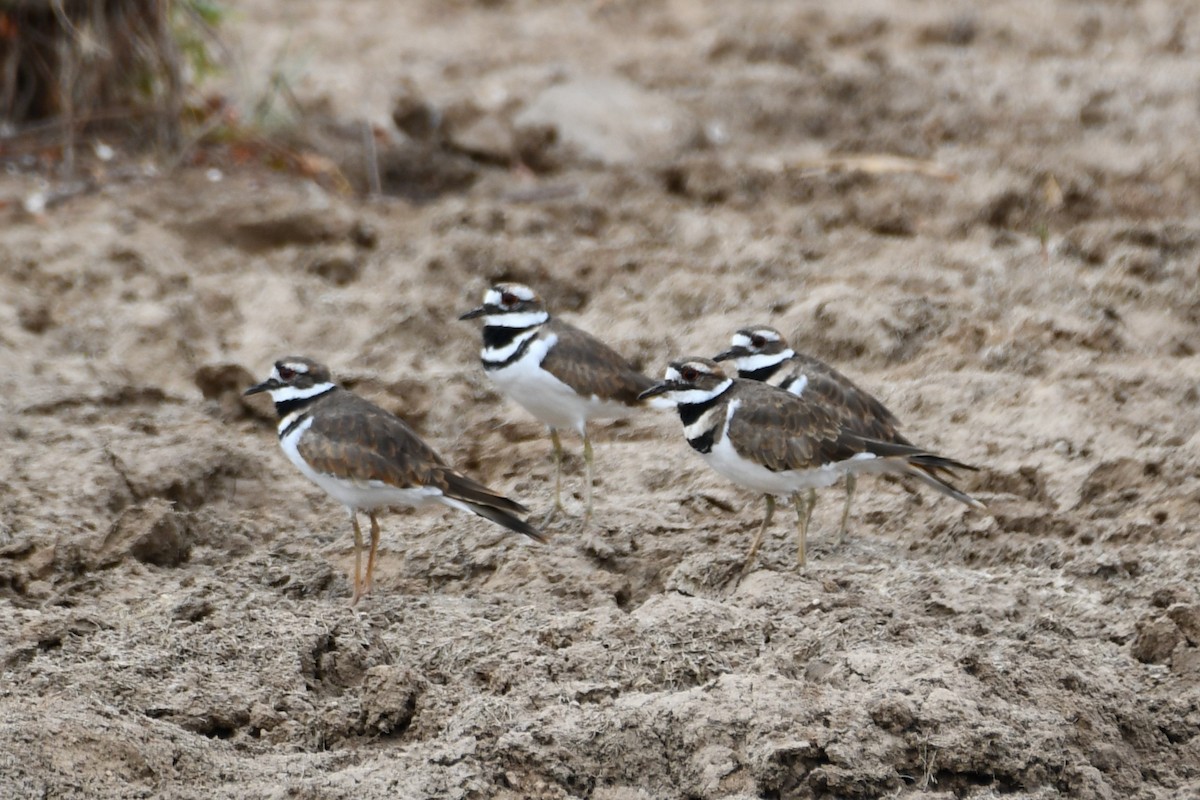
x: 173, y: 595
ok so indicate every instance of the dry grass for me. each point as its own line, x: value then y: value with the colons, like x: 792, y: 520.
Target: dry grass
x: 70, y: 66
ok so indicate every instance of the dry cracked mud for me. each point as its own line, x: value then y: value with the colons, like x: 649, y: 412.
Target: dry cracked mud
x: 987, y: 215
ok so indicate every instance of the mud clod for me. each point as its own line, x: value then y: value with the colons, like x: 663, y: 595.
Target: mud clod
x: 151, y: 532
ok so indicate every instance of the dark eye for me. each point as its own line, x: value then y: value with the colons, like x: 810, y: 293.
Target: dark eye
x: 286, y: 373
x: 689, y: 374
x: 508, y: 299
x: 757, y: 340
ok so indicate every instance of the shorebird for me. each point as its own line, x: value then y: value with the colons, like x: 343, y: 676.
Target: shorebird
x: 783, y: 445
x: 760, y: 353
x: 367, y: 458
x: 560, y: 374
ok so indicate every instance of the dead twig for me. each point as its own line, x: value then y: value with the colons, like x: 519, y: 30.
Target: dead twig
x: 874, y: 164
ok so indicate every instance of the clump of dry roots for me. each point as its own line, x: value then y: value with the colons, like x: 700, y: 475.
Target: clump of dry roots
x: 72, y: 65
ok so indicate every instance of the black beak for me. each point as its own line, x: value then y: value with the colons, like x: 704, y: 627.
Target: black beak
x: 267, y: 385
x: 657, y: 389
x: 733, y: 352
x: 474, y: 312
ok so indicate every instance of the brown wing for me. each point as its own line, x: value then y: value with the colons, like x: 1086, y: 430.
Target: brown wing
x: 591, y: 367
x: 853, y: 406
x: 866, y: 417
x: 781, y: 431
x: 357, y: 439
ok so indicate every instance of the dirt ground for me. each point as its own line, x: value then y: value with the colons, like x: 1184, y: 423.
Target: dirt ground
x: 986, y: 214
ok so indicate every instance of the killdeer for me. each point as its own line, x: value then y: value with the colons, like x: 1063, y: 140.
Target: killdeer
x: 762, y: 354
x: 559, y: 373
x: 783, y: 444
x: 368, y: 459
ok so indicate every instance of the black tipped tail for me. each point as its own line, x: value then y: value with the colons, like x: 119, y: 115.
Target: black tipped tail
x: 470, y: 495
x: 926, y: 475
x: 501, y: 517
x: 940, y: 465
x: 933, y: 470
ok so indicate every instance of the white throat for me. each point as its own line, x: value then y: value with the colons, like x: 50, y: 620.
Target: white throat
x: 760, y: 360
x: 518, y: 319
x: 285, y: 393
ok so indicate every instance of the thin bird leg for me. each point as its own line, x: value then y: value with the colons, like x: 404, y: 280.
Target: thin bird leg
x: 761, y: 530
x: 589, y: 461
x: 371, y: 558
x: 851, y: 482
x: 803, y: 516
x: 357, y: 558
x: 558, y: 455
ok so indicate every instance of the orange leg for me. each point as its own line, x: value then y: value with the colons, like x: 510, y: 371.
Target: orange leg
x: 357, y: 558
x: 371, y: 556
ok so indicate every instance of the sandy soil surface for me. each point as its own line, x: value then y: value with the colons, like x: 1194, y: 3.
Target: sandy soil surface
x: 1018, y: 279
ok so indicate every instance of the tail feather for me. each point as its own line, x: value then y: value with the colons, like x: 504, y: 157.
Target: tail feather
x: 501, y: 517
x: 931, y: 479
x: 939, y: 469
x: 931, y: 469
x: 469, y: 495
x: 936, y: 463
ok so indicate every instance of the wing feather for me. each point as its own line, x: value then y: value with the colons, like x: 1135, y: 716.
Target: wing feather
x: 589, y: 366
x: 357, y: 439
x: 854, y: 407
x: 781, y: 431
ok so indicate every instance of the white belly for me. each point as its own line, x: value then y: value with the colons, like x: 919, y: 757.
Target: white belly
x: 364, y: 495
x: 725, y: 460
x: 546, y: 397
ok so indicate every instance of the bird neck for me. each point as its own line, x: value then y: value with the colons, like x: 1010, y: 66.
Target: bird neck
x: 290, y: 399
x: 763, y: 366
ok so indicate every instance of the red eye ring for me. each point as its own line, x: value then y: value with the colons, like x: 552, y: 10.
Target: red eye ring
x: 286, y: 373
x: 508, y: 299
x: 689, y: 374
x: 757, y: 340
